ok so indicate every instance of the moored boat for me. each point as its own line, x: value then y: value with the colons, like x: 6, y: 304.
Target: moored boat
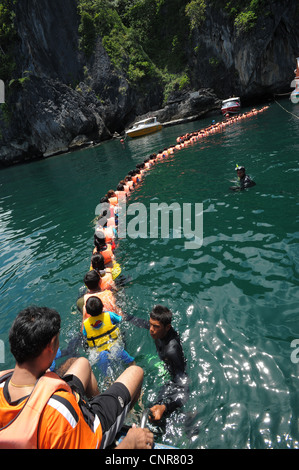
x: 231, y: 106
x: 144, y: 127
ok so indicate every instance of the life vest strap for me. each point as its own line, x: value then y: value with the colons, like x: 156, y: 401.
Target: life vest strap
x: 108, y: 333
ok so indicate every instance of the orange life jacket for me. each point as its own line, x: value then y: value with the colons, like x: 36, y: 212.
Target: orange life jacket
x: 121, y: 194
x: 130, y: 184
x: 106, y: 297
x: 113, y: 201
x: 106, y: 282
x: 21, y: 432
x: 135, y: 178
x: 107, y: 254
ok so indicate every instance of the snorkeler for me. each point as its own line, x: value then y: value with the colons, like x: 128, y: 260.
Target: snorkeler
x: 244, y: 180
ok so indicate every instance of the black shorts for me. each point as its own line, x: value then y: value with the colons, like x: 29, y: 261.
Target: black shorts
x: 111, y: 407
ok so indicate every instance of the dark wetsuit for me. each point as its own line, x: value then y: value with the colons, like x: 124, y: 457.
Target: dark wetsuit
x: 245, y: 182
x: 173, y: 394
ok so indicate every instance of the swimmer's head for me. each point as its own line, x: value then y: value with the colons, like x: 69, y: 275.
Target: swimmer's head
x: 239, y: 168
x: 240, y: 172
x: 160, y: 321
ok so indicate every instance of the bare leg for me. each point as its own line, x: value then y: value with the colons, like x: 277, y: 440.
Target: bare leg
x: 81, y: 368
x: 61, y: 371
x: 132, y: 378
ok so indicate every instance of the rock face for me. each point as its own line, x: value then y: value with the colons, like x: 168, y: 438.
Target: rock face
x: 66, y: 101
x: 48, y: 33
x: 63, y: 96
x: 251, y: 64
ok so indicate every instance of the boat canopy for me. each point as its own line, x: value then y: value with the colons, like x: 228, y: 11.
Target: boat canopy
x: 145, y: 122
x: 231, y: 99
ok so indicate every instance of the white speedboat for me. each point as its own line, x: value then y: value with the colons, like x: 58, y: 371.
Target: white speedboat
x: 231, y: 106
x: 147, y: 126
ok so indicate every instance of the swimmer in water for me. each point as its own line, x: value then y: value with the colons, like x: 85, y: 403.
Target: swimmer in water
x: 174, y: 394
x: 244, y: 180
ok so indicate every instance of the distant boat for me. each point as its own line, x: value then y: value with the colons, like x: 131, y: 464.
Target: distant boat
x: 147, y: 126
x: 295, y: 84
x: 231, y: 106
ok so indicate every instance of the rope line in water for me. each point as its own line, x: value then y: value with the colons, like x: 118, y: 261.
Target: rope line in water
x: 292, y: 114
x: 181, y: 142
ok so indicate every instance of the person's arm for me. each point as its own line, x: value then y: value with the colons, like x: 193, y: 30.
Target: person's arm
x: 140, y: 322
x: 115, y: 318
x: 175, y: 397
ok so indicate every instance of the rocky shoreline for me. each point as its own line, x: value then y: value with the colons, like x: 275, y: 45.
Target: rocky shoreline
x: 59, y: 101
x: 61, y: 127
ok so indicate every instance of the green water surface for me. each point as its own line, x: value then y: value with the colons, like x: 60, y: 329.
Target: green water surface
x: 235, y: 299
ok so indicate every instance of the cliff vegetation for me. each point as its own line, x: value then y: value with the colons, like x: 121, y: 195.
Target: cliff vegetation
x: 82, y: 70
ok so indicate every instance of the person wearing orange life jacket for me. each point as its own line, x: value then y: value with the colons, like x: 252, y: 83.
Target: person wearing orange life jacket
x: 140, y: 167
x: 102, y: 334
x: 147, y: 163
x: 135, y: 175
x: 129, y: 182
x: 120, y: 192
x: 112, y: 198
x: 109, y: 233
x: 106, y: 278
x: 105, y: 205
x: 153, y: 158
x: 135, y: 178
x: 160, y: 155
x: 60, y: 411
x: 91, y: 280
x: 105, y: 249
x: 126, y: 186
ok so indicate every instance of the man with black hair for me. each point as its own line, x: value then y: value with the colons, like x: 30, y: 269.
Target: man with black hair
x: 39, y: 409
x: 175, y: 393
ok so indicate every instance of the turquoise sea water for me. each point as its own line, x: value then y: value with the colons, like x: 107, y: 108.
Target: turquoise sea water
x: 235, y: 299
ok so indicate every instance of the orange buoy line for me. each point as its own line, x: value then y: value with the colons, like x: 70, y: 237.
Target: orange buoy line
x: 216, y: 127
x: 105, y: 237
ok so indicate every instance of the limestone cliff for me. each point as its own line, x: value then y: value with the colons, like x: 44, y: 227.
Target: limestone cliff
x: 251, y: 64
x: 62, y: 95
